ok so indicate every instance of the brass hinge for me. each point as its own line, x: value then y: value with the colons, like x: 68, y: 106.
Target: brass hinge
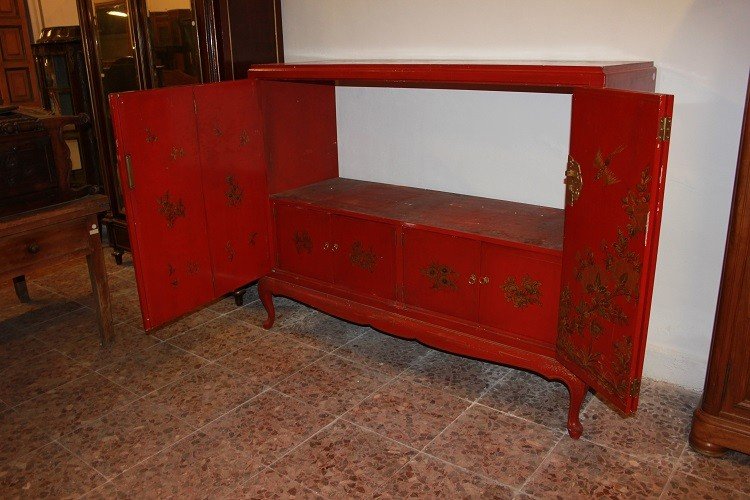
x: 573, y: 181
x: 665, y: 128
x: 635, y: 388
x: 129, y: 171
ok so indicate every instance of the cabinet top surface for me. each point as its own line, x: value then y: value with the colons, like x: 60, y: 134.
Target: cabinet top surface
x: 519, y: 224
x: 522, y: 73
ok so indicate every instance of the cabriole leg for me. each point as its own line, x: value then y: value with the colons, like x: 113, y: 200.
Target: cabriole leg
x: 266, y: 298
x: 577, y: 390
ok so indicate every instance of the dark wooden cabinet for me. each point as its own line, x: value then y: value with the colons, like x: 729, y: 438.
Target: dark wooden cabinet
x: 722, y: 421
x: 565, y: 293
x: 132, y: 45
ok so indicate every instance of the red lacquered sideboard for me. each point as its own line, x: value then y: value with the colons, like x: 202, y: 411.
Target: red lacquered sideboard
x: 244, y: 178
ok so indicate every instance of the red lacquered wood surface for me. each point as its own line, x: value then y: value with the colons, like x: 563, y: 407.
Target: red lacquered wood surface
x: 611, y: 232
x: 234, y: 182
x: 539, y: 75
x: 440, y: 273
x: 299, y: 128
x: 166, y: 215
x: 364, y: 256
x: 519, y: 292
x: 303, y: 241
x: 525, y: 226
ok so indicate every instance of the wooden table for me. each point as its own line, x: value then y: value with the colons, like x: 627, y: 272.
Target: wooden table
x: 40, y: 237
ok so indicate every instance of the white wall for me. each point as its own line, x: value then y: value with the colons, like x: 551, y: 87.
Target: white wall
x: 699, y: 47
x: 56, y: 12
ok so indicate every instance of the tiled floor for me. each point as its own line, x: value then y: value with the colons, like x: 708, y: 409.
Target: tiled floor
x: 214, y: 406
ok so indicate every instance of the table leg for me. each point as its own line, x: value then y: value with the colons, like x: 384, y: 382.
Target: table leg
x: 100, y: 286
x: 19, y: 283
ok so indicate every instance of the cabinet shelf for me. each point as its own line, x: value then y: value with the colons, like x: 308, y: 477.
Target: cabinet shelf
x: 531, y: 227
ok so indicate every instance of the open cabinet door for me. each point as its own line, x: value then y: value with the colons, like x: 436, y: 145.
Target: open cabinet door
x: 160, y: 174
x: 615, y: 181
x: 234, y: 182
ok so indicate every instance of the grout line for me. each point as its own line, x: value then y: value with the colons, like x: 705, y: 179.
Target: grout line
x: 542, y: 462
x: 82, y: 460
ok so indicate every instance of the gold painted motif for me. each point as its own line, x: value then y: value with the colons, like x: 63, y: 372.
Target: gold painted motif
x: 522, y: 294
x: 150, y: 136
x: 230, y: 251
x: 192, y: 267
x: 244, y: 137
x: 177, y: 153
x: 251, y: 238
x: 233, y: 193
x: 171, y: 272
x: 573, y: 181
x: 217, y: 131
x: 602, y: 166
x: 441, y: 276
x: 365, y: 259
x: 170, y: 210
x: 606, y: 284
x: 302, y: 241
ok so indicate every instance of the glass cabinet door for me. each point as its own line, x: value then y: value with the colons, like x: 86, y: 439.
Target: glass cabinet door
x: 173, y: 43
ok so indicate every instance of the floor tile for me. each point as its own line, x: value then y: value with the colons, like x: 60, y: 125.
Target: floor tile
x: 127, y: 340
x: 19, y: 436
x: 106, y: 491
x: 63, y: 331
x: 19, y: 346
x: 464, y: 377
x: 287, y: 312
x: 658, y: 429
x: 216, y: 338
x: 322, y: 331
x: 51, y: 472
x: 270, y: 484
x: 68, y: 406
x: 180, y: 326
x: 270, y: 357
x: 205, y: 394
x: 125, y: 436
x: 732, y: 470
x: 344, y: 460
x: 40, y: 310
x: 580, y: 469
x: 683, y: 486
x: 19, y: 382
x: 125, y: 305
x: 408, y: 412
x: 495, y: 445
x: 383, y: 352
x: 532, y: 397
x: 268, y: 426
x: 153, y: 368
x: 427, y: 477
x: 333, y: 384
x: 192, y: 467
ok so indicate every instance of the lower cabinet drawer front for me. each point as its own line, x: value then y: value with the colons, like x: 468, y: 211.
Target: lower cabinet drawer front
x: 440, y: 273
x: 43, y: 244
x: 303, y: 240
x: 519, y: 292
x: 364, y: 256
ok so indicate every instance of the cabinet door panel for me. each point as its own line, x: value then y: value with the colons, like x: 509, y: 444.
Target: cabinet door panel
x: 303, y: 241
x: 234, y: 181
x: 163, y: 192
x: 519, y: 292
x: 365, y: 256
x: 438, y: 272
x: 612, y: 215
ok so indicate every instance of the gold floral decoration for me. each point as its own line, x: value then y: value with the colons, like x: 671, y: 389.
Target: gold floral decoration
x: 169, y: 209
x: 234, y: 193
x: 302, y: 241
x: 522, y: 294
x: 441, y: 276
x: 365, y: 259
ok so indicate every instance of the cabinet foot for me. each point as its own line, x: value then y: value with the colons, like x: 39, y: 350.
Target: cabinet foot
x: 266, y: 298
x: 22, y: 291
x: 706, y: 448
x: 239, y: 296
x: 577, y: 390
x: 117, y: 254
x: 704, y: 432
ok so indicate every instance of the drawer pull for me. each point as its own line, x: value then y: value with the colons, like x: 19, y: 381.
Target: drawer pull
x: 33, y: 248
x: 129, y: 171
x: 326, y: 245
x: 485, y: 280
x: 335, y: 247
x: 472, y: 279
